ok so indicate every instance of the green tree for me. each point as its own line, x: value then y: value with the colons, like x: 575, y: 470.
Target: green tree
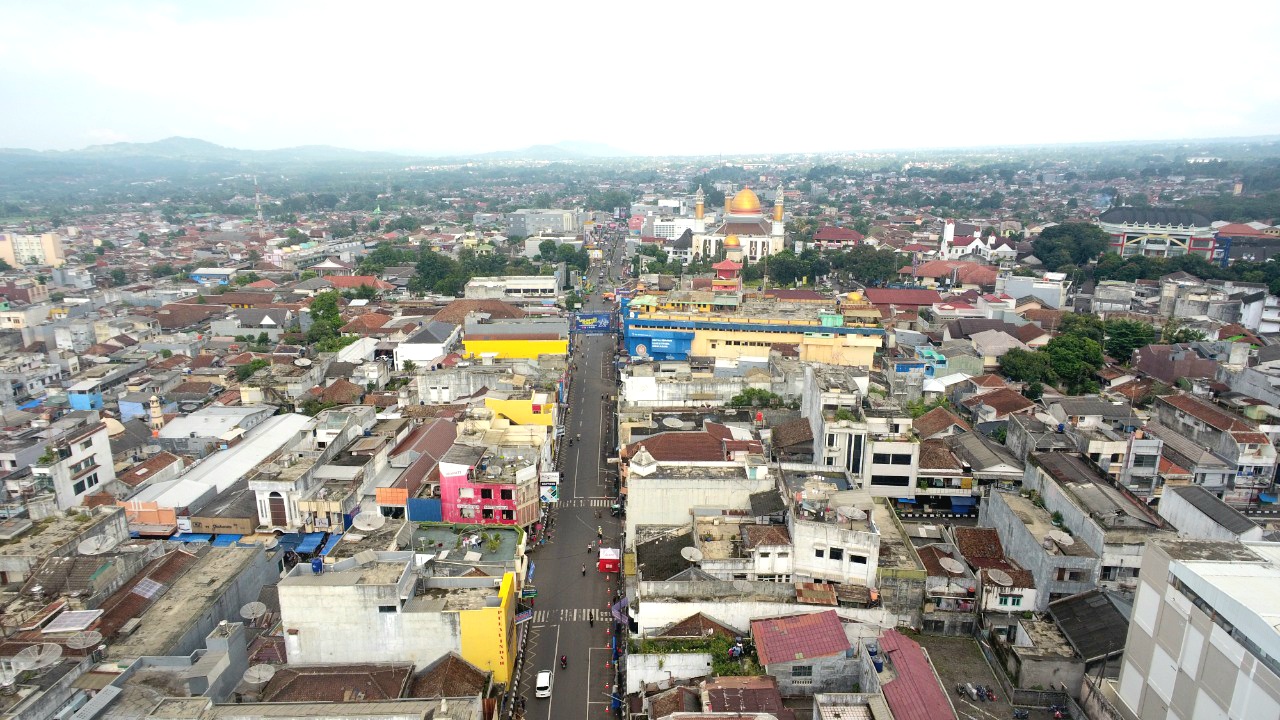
x: 247, y: 370
x: 308, y: 275
x: 1125, y: 336
x: 1075, y: 360
x: 1027, y: 366
x: 755, y: 397
x: 1174, y: 332
x: 1070, y: 244
x: 263, y: 338
x: 119, y: 277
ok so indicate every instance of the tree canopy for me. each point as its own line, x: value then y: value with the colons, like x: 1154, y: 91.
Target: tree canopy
x: 1070, y: 244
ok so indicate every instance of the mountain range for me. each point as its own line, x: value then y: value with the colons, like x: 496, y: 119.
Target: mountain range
x: 196, y: 150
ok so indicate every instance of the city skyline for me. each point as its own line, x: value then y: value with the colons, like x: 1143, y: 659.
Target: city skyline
x: 742, y: 78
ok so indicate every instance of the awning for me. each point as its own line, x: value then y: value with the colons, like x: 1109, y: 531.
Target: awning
x: 31, y: 404
x: 1267, y: 497
x: 961, y: 501
x: 907, y: 500
x: 330, y: 545
x: 226, y: 540
x: 290, y: 541
x: 310, y: 543
x: 191, y: 537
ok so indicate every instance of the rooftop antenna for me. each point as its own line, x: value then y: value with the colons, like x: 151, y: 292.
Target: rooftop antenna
x: 37, y: 657
x: 368, y: 521
x: 96, y: 545
x: 84, y: 639
x: 253, y: 610
x: 257, y: 203
x: 259, y: 674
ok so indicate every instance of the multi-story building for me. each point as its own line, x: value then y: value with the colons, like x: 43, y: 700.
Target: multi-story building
x: 527, y: 338
x: 24, y: 289
x: 44, y: 249
x: 1233, y: 438
x: 1202, y: 640
x: 75, y: 464
x: 1158, y: 232
x: 24, y: 376
x: 480, y: 485
x: 519, y: 289
x: 537, y: 221
x: 378, y: 607
x: 1051, y: 288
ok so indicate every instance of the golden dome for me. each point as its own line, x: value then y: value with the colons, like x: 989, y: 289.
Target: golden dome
x: 732, y: 240
x: 745, y: 203
x: 854, y: 297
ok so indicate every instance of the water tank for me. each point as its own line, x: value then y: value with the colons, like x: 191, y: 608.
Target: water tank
x: 317, y: 565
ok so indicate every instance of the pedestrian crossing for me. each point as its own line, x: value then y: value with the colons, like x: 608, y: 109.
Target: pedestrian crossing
x: 586, y: 502
x: 544, y: 617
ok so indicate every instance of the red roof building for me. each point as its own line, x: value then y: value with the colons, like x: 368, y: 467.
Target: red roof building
x: 914, y: 694
x: 354, y: 282
x: 902, y: 298
x: 799, y: 637
x: 833, y: 234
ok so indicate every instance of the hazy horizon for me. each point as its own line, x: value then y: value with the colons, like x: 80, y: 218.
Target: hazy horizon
x: 661, y: 79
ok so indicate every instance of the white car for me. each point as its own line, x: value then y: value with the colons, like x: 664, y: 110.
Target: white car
x: 542, y: 685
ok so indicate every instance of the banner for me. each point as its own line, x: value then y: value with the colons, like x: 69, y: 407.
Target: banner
x: 618, y: 611
x: 524, y: 616
x: 597, y: 323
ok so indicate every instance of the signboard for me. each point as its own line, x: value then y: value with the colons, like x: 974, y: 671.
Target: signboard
x: 525, y: 616
x: 549, y: 493
x: 529, y: 593
x: 595, y: 323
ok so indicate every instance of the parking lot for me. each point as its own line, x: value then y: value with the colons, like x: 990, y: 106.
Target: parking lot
x: 958, y: 660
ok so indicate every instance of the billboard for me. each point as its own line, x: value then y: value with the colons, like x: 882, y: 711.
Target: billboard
x: 594, y: 323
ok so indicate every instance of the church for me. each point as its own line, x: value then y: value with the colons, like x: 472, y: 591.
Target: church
x: 745, y: 234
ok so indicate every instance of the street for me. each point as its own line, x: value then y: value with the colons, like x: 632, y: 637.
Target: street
x: 572, y: 611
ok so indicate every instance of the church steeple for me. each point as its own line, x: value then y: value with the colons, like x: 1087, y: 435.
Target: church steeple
x: 777, y: 206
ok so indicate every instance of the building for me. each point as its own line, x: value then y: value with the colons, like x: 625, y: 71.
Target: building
x: 211, y: 428
x: 747, y: 333
x: 483, y: 486
x: 1051, y: 288
x: 746, y: 234
x: 1236, y: 440
x: 1158, y: 232
x: 429, y: 345
x: 19, y: 250
x: 808, y: 653
x: 518, y: 289
x: 541, y: 221
x: 76, y: 464
x: 212, y: 276
x: 1196, y: 513
x: 527, y: 338
x: 377, y: 607
x: 1202, y: 640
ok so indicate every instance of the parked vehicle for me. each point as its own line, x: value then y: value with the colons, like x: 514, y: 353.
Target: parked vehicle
x: 542, y: 685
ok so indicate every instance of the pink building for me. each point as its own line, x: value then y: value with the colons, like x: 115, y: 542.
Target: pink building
x: 489, y: 486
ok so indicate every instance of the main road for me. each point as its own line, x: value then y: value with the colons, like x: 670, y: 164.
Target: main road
x: 572, y: 611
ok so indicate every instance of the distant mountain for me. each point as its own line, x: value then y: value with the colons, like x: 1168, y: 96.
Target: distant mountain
x: 562, y: 151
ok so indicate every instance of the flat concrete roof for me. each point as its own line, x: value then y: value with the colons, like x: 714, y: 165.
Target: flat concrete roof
x: 1039, y: 523
x: 165, y: 622
x: 452, y: 599
x: 382, y: 572
x: 49, y: 534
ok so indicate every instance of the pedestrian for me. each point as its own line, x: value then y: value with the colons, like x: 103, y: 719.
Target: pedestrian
x: 584, y: 569
x: 599, y: 533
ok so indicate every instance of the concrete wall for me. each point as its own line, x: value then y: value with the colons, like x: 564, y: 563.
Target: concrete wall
x: 246, y: 587
x: 809, y: 537
x: 667, y: 501
x: 643, y: 668
x: 1190, y: 522
x: 1025, y: 549
x: 834, y: 673
x: 663, y: 603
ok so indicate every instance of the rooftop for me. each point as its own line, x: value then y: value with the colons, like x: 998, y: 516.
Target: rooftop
x: 1039, y: 523
x: 1092, y: 623
x: 189, y: 597
x: 453, y: 599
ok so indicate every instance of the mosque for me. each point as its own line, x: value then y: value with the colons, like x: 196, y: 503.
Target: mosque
x: 745, y: 234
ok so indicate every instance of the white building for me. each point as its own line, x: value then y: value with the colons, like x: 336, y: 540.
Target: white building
x: 541, y: 289
x: 1203, y: 639
x: 1197, y: 513
x: 76, y: 465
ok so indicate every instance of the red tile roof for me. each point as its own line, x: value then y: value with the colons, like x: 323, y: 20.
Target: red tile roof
x: 1206, y: 413
x: 799, y: 637
x: 352, y: 282
x: 338, y: 683
x: 144, y: 471
x: 905, y: 297
x: 831, y: 233
x: 681, y: 446
x: 915, y: 693
x: 935, y: 421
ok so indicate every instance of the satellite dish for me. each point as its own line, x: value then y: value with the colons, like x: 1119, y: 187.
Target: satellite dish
x: 1000, y: 578
x: 741, y: 585
x: 854, y: 513
x: 1061, y: 538
x: 692, y: 554
x: 672, y: 423
x: 951, y: 565
x: 259, y: 674
x: 84, y: 639
x: 253, y: 610
x: 368, y: 521
x: 37, y: 657
x: 271, y: 543
x: 96, y: 545
x: 302, y: 362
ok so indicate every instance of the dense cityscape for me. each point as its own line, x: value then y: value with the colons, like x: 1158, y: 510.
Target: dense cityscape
x: 980, y: 432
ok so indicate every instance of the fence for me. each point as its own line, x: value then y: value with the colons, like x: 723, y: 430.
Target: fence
x: 1019, y: 696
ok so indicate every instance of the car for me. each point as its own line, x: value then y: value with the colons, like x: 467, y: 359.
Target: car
x: 542, y: 684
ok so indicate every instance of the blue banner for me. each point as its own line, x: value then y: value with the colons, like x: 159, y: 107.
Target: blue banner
x: 596, y: 323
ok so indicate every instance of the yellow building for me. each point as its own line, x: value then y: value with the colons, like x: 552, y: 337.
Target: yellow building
x: 488, y: 633
x: 520, y: 349
x: 820, y: 335
x: 44, y: 249
x: 525, y: 338
x: 525, y: 408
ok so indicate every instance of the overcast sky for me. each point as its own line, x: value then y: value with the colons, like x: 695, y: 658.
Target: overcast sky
x: 653, y: 78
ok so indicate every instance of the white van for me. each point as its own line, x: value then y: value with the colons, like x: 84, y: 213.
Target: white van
x: 542, y: 685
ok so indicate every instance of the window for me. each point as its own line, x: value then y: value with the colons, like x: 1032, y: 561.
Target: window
x: 819, y: 553
x: 86, y: 444
x: 386, y: 608
x: 859, y: 559
x: 506, y: 494
x: 836, y: 554
x: 486, y: 494
x: 763, y: 554
x: 786, y: 554
x: 802, y: 671
x: 85, y: 483
x: 881, y: 458
x: 487, y: 514
x: 508, y: 515
x: 831, y: 439
x: 1010, y: 601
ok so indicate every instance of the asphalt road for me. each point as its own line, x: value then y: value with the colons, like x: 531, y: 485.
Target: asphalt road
x: 571, y: 613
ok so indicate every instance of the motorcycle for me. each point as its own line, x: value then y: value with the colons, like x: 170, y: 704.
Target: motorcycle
x: 1021, y: 714
x: 564, y: 661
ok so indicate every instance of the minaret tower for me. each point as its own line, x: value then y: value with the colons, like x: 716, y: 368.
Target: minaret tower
x: 777, y: 206
x: 699, y: 211
x: 157, y: 416
x: 257, y: 204
x: 779, y: 229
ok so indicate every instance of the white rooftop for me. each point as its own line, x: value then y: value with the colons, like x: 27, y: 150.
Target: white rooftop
x: 1243, y: 593
x: 212, y: 421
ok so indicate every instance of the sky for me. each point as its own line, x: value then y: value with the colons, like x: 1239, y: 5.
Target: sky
x: 652, y: 78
